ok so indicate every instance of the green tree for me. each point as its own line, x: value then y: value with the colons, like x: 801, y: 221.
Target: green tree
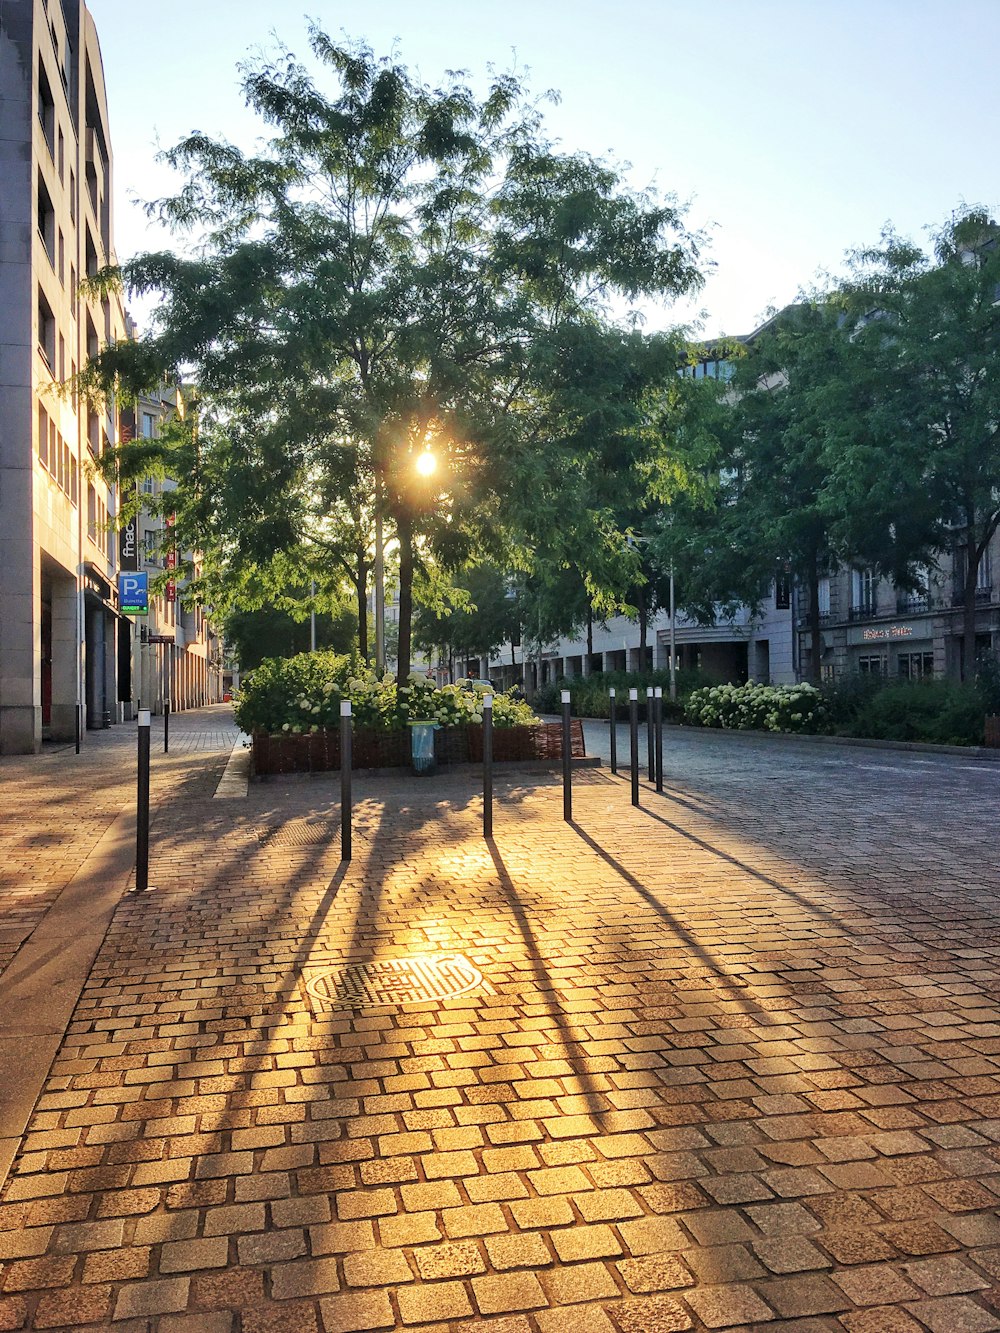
x: 252, y: 636
x: 400, y: 265
x: 472, y: 617
x: 922, y: 475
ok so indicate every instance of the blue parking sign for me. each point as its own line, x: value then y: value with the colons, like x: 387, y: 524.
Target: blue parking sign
x: 133, y: 594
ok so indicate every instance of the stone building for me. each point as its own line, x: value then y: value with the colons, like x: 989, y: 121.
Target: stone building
x: 60, y: 631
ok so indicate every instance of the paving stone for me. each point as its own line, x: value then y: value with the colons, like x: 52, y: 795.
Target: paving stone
x: 732, y: 1072
x: 440, y: 1300
x: 505, y: 1292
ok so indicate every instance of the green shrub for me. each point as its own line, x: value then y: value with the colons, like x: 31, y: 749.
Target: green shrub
x: 304, y: 693
x: 756, y: 707
x: 589, y: 695
x: 942, y: 712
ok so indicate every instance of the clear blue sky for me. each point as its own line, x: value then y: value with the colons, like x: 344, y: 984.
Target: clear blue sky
x: 793, y: 128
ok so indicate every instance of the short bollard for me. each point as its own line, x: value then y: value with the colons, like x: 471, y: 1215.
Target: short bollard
x: 650, y: 760
x: 142, y: 807
x: 658, y: 706
x: 488, y: 766
x: 567, y: 758
x: 345, y: 780
x: 613, y: 713
x: 166, y: 725
x: 633, y: 736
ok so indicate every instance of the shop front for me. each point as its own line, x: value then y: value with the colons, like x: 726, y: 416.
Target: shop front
x: 903, y: 650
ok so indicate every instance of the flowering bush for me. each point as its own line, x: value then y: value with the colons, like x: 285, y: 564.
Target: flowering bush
x: 755, y: 707
x: 303, y: 694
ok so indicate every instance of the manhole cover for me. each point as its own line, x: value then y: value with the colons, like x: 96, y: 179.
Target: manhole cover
x: 395, y: 981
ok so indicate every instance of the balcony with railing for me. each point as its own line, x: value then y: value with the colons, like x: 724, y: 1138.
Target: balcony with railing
x: 984, y: 595
x: 913, y: 604
x: 866, y: 609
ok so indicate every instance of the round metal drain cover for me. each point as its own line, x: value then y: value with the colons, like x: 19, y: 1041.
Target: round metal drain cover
x: 395, y: 981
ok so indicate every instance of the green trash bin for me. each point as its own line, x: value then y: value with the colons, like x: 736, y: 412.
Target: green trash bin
x: 422, y: 746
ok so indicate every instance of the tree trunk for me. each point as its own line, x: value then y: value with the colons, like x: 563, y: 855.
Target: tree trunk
x: 590, y: 631
x: 404, y: 534
x: 361, y: 591
x: 969, y: 605
x: 815, y: 636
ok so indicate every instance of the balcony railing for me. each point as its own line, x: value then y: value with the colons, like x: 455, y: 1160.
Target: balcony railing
x: 912, y: 604
x: 983, y: 596
x: 863, y: 611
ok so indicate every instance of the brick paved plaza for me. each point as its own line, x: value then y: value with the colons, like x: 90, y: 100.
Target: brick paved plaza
x: 733, y: 1061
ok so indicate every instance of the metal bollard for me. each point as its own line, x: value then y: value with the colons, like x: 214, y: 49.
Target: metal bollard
x: 488, y: 766
x: 633, y: 729
x: 614, y: 730
x: 567, y: 758
x: 658, y: 705
x: 142, y: 807
x: 650, y: 762
x: 346, y: 809
x: 166, y: 725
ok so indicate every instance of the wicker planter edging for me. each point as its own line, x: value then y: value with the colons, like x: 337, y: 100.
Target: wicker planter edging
x: 319, y: 751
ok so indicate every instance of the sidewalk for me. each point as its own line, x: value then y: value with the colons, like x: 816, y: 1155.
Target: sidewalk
x: 719, y: 1062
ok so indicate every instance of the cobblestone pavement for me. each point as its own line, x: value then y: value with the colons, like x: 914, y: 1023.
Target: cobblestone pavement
x: 733, y: 1062
x: 57, y: 805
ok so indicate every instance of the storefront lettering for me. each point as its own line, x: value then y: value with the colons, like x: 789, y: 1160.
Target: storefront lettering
x: 893, y: 632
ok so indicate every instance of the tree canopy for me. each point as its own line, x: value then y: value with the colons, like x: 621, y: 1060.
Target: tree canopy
x: 401, y: 267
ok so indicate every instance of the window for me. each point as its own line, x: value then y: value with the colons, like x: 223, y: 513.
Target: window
x: 823, y: 596
x: 72, y: 289
x: 872, y: 665
x: 151, y: 546
x: 91, y: 255
x: 74, y: 482
x: 46, y: 108
x: 93, y: 344
x: 864, y: 592
x: 62, y: 357
x: 72, y: 195
x: 93, y: 433
x: 92, y: 513
x: 43, y: 436
x: 147, y: 486
x: 46, y: 331
x: 148, y: 425
x: 916, y: 666
x: 61, y: 157
x: 984, y: 574
x: 46, y: 220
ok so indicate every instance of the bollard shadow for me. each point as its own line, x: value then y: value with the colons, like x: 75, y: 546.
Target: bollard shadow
x: 704, y: 956
x: 741, y: 865
x: 593, y: 1094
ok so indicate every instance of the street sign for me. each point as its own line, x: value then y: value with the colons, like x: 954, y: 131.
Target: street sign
x: 160, y: 638
x: 128, y: 546
x: 133, y: 593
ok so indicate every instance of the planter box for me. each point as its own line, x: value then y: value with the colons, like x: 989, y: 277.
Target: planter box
x: 319, y: 752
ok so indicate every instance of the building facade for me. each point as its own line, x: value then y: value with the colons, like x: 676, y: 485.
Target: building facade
x: 748, y: 646
x: 870, y: 627
x: 60, y: 630
x: 176, y: 651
